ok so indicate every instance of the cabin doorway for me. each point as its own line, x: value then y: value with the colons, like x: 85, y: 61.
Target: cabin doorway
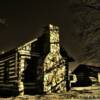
x: 30, y: 75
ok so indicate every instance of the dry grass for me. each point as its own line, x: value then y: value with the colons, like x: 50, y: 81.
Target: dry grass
x: 85, y: 94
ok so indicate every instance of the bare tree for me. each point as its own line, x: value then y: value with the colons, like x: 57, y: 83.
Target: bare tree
x: 86, y: 21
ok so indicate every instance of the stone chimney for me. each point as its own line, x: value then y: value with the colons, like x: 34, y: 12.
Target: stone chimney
x: 54, y: 65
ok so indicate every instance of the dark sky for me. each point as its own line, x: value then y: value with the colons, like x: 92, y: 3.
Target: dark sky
x: 25, y: 19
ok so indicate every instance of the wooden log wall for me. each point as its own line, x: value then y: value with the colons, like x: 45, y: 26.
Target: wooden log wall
x: 8, y: 73
x: 12, y: 66
x: 24, y: 52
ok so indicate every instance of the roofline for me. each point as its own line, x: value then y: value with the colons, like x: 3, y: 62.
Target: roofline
x: 18, y: 47
x: 32, y: 41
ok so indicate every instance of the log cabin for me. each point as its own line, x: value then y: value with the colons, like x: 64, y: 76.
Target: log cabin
x: 38, y: 66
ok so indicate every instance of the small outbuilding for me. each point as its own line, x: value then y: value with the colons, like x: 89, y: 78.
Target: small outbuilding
x: 86, y: 75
